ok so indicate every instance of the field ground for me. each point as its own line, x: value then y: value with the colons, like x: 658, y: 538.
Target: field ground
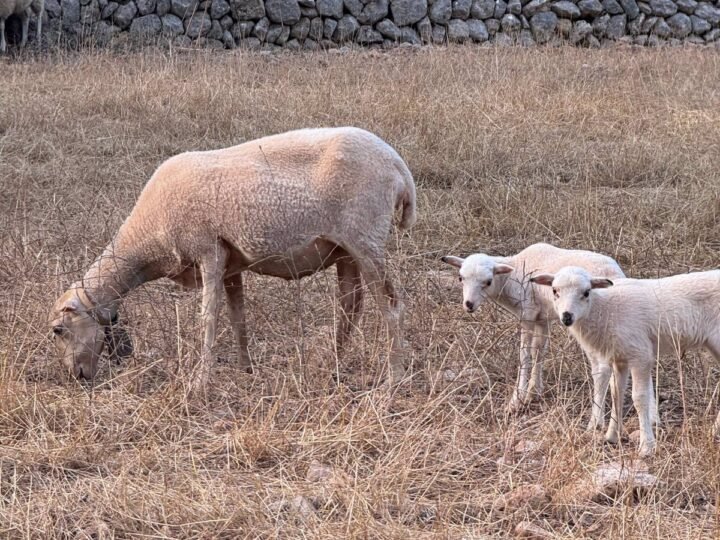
x: 615, y: 150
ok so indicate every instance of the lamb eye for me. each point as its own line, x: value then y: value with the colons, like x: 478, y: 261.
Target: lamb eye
x: 586, y: 294
x: 555, y: 293
x: 488, y: 282
x: 460, y: 278
x: 58, y: 330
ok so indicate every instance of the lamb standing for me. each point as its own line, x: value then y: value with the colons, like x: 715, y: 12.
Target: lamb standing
x: 286, y: 205
x: 505, y: 280
x: 629, y: 322
x: 23, y: 9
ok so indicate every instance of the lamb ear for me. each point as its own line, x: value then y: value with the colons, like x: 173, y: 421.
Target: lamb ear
x: 501, y: 268
x: 600, y: 283
x: 543, y: 279
x: 452, y: 261
x: 71, y: 304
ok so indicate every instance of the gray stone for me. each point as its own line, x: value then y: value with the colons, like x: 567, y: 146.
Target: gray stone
x: 708, y: 12
x: 310, y: 13
x: 228, y: 40
x: 662, y: 29
x: 543, y: 26
x: 612, y: 7
x: 274, y: 32
x: 566, y: 9
x: 124, y: 15
x: 242, y: 29
x: 616, y: 26
x: 663, y: 8
x: 198, y: 25
x: 631, y: 9
x: 216, y: 31
x: 564, y: 27
x: 644, y: 8
x: 251, y: 44
x: 600, y: 25
x: 648, y: 25
x: 634, y: 27
x: 306, y: 3
x: 503, y: 40
x: 686, y: 6
x: 90, y: 13
x: 311, y: 45
x: 162, y: 7
x: 171, y: 25
x: 640, y: 40
x: 424, y: 29
x: 712, y: 35
x: 458, y: 31
x: 293, y: 45
x: 183, y: 8
x: 440, y: 11
x: 283, y: 11
x: 146, y: 26
x: 182, y: 42
x: 592, y: 42
x: 282, y: 39
x: 301, y: 30
x: 515, y: 7
x: 328, y: 44
x: 373, y: 12
x: 535, y: 6
x: 654, y: 41
x: 439, y: 34
x: 406, y: 12
x: 493, y: 26
x: 316, y: 29
x: 247, y: 10
x: 145, y: 7
x: 590, y: 8
x: 226, y: 22
x: 52, y: 8
x: 219, y: 8
x: 408, y: 35
x: 329, y: 8
x: 581, y: 30
x: 500, y: 9
x: 482, y: 9
x: 261, y: 28
x: 354, y: 7
x: 524, y: 22
x: 510, y: 24
x: 695, y: 40
x: 478, y: 31
x: 366, y: 35
x: 699, y: 26
x: 329, y: 26
x: 70, y: 11
x: 525, y: 39
x: 346, y: 28
x: 680, y: 24
x: 461, y: 9
x: 108, y: 10
x: 388, y: 29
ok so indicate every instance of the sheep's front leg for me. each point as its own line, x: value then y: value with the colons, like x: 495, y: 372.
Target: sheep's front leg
x: 521, y: 388
x: 38, y: 27
x: 601, y: 373
x: 212, y: 267
x: 617, y: 390
x: 25, y: 17
x: 3, y: 44
x: 539, y: 347
x: 236, y: 307
x: 642, y: 393
x: 350, y: 297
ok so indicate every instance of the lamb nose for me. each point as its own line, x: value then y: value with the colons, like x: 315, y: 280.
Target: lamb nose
x: 567, y: 318
x: 469, y: 304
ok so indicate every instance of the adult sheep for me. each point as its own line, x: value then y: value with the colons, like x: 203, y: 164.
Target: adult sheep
x: 287, y: 205
x: 506, y: 280
x: 23, y: 9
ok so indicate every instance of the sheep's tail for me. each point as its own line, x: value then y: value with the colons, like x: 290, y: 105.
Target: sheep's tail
x: 406, y: 198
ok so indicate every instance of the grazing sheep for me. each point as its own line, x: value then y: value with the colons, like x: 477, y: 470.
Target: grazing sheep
x: 23, y: 9
x: 505, y: 281
x: 286, y: 205
x: 629, y: 324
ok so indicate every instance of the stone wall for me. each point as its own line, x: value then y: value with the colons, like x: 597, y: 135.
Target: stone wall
x: 313, y: 24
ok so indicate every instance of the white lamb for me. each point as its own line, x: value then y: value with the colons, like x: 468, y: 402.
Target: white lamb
x: 287, y: 205
x: 23, y: 9
x: 629, y: 322
x: 505, y: 280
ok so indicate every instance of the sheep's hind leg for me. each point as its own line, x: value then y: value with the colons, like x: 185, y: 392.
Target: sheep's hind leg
x: 713, y: 345
x: 3, y: 44
x: 520, y: 393
x: 350, y: 297
x: 540, y: 338
x: 617, y: 390
x: 25, y: 18
x: 642, y: 393
x: 601, y: 374
x: 212, y: 267
x: 236, y: 308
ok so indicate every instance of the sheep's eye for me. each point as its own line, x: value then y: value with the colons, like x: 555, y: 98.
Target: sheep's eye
x: 586, y: 294
x: 58, y: 330
x: 488, y: 282
x: 555, y: 293
x: 460, y: 278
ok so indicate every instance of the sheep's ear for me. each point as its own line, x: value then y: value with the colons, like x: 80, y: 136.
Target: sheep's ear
x: 71, y: 304
x: 600, y: 283
x: 452, y: 261
x: 543, y: 279
x: 502, y: 269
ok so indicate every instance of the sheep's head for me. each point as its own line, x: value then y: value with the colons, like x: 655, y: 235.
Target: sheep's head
x: 81, y: 331
x: 477, y: 274
x: 572, y: 287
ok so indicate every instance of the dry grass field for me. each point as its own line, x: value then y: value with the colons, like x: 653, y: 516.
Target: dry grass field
x: 616, y: 150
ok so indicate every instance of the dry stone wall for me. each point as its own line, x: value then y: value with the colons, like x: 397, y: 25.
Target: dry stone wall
x: 315, y: 24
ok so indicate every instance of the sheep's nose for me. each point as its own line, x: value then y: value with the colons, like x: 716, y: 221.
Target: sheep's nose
x: 567, y: 318
x: 469, y: 305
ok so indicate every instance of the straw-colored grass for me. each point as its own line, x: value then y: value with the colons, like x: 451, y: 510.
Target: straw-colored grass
x: 614, y: 150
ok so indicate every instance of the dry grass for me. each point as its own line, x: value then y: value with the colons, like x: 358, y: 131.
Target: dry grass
x: 614, y: 150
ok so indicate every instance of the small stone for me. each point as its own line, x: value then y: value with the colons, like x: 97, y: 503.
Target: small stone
x: 183, y: 8
x: 581, y: 30
x: 493, y: 26
x: 171, y: 25
x: 71, y: 11
x: 293, y: 45
x: 219, y: 8
x: 373, y: 12
x: 283, y: 11
x: 251, y: 44
x: 612, y: 7
x: 590, y: 8
x: 458, y: 31
x: 712, y: 35
x: 242, y: 29
x: 274, y: 32
x: 631, y: 8
x: 634, y: 27
x: 301, y: 30
x: 543, y: 26
x: 644, y: 8
x: 316, y: 29
x: 228, y: 40
x: 389, y: 29
x: 663, y: 8
x: 640, y: 40
x: 535, y: 6
x: 198, y: 26
x: 216, y: 32
x: 500, y: 9
x: 366, y: 35
x: 564, y: 27
x: 346, y: 29
x: 439, y: 35
x: 531, y: 496
x: 648, y: 25
x: 409, y: 36
x: 566, y: 9
x: 610, y: 481
x: 525, y: 39
x: 108, y: 10
x: 162, y: 7
x: 329, y: 8
x: 53, y: 9
x: 261, y: 29
x: 708, y: 12
x: 510, y: 24
x: 616, y: 26
x: 503, y: 40
x: 440, y: 11
x: 662, y: 29
x: 699, y: 26
x: 407, y: 12
x: 600, y: 25
x: 680, y: 24
x: 226, y: 22
x: 424, y: 29
x: 530, y: 531
x: 90, y: 14
x: 329, y: 26
x: 479, y: 33
x: 461, y: 9
x: 146, y: 26
x: 308, y: 12
x: 515, y: 7
x: 654, y: 41
x: 686, y: 6
x: 482, y: 9
x: 124, y: 15
x: 145, y: 6
x: 246, y: 10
